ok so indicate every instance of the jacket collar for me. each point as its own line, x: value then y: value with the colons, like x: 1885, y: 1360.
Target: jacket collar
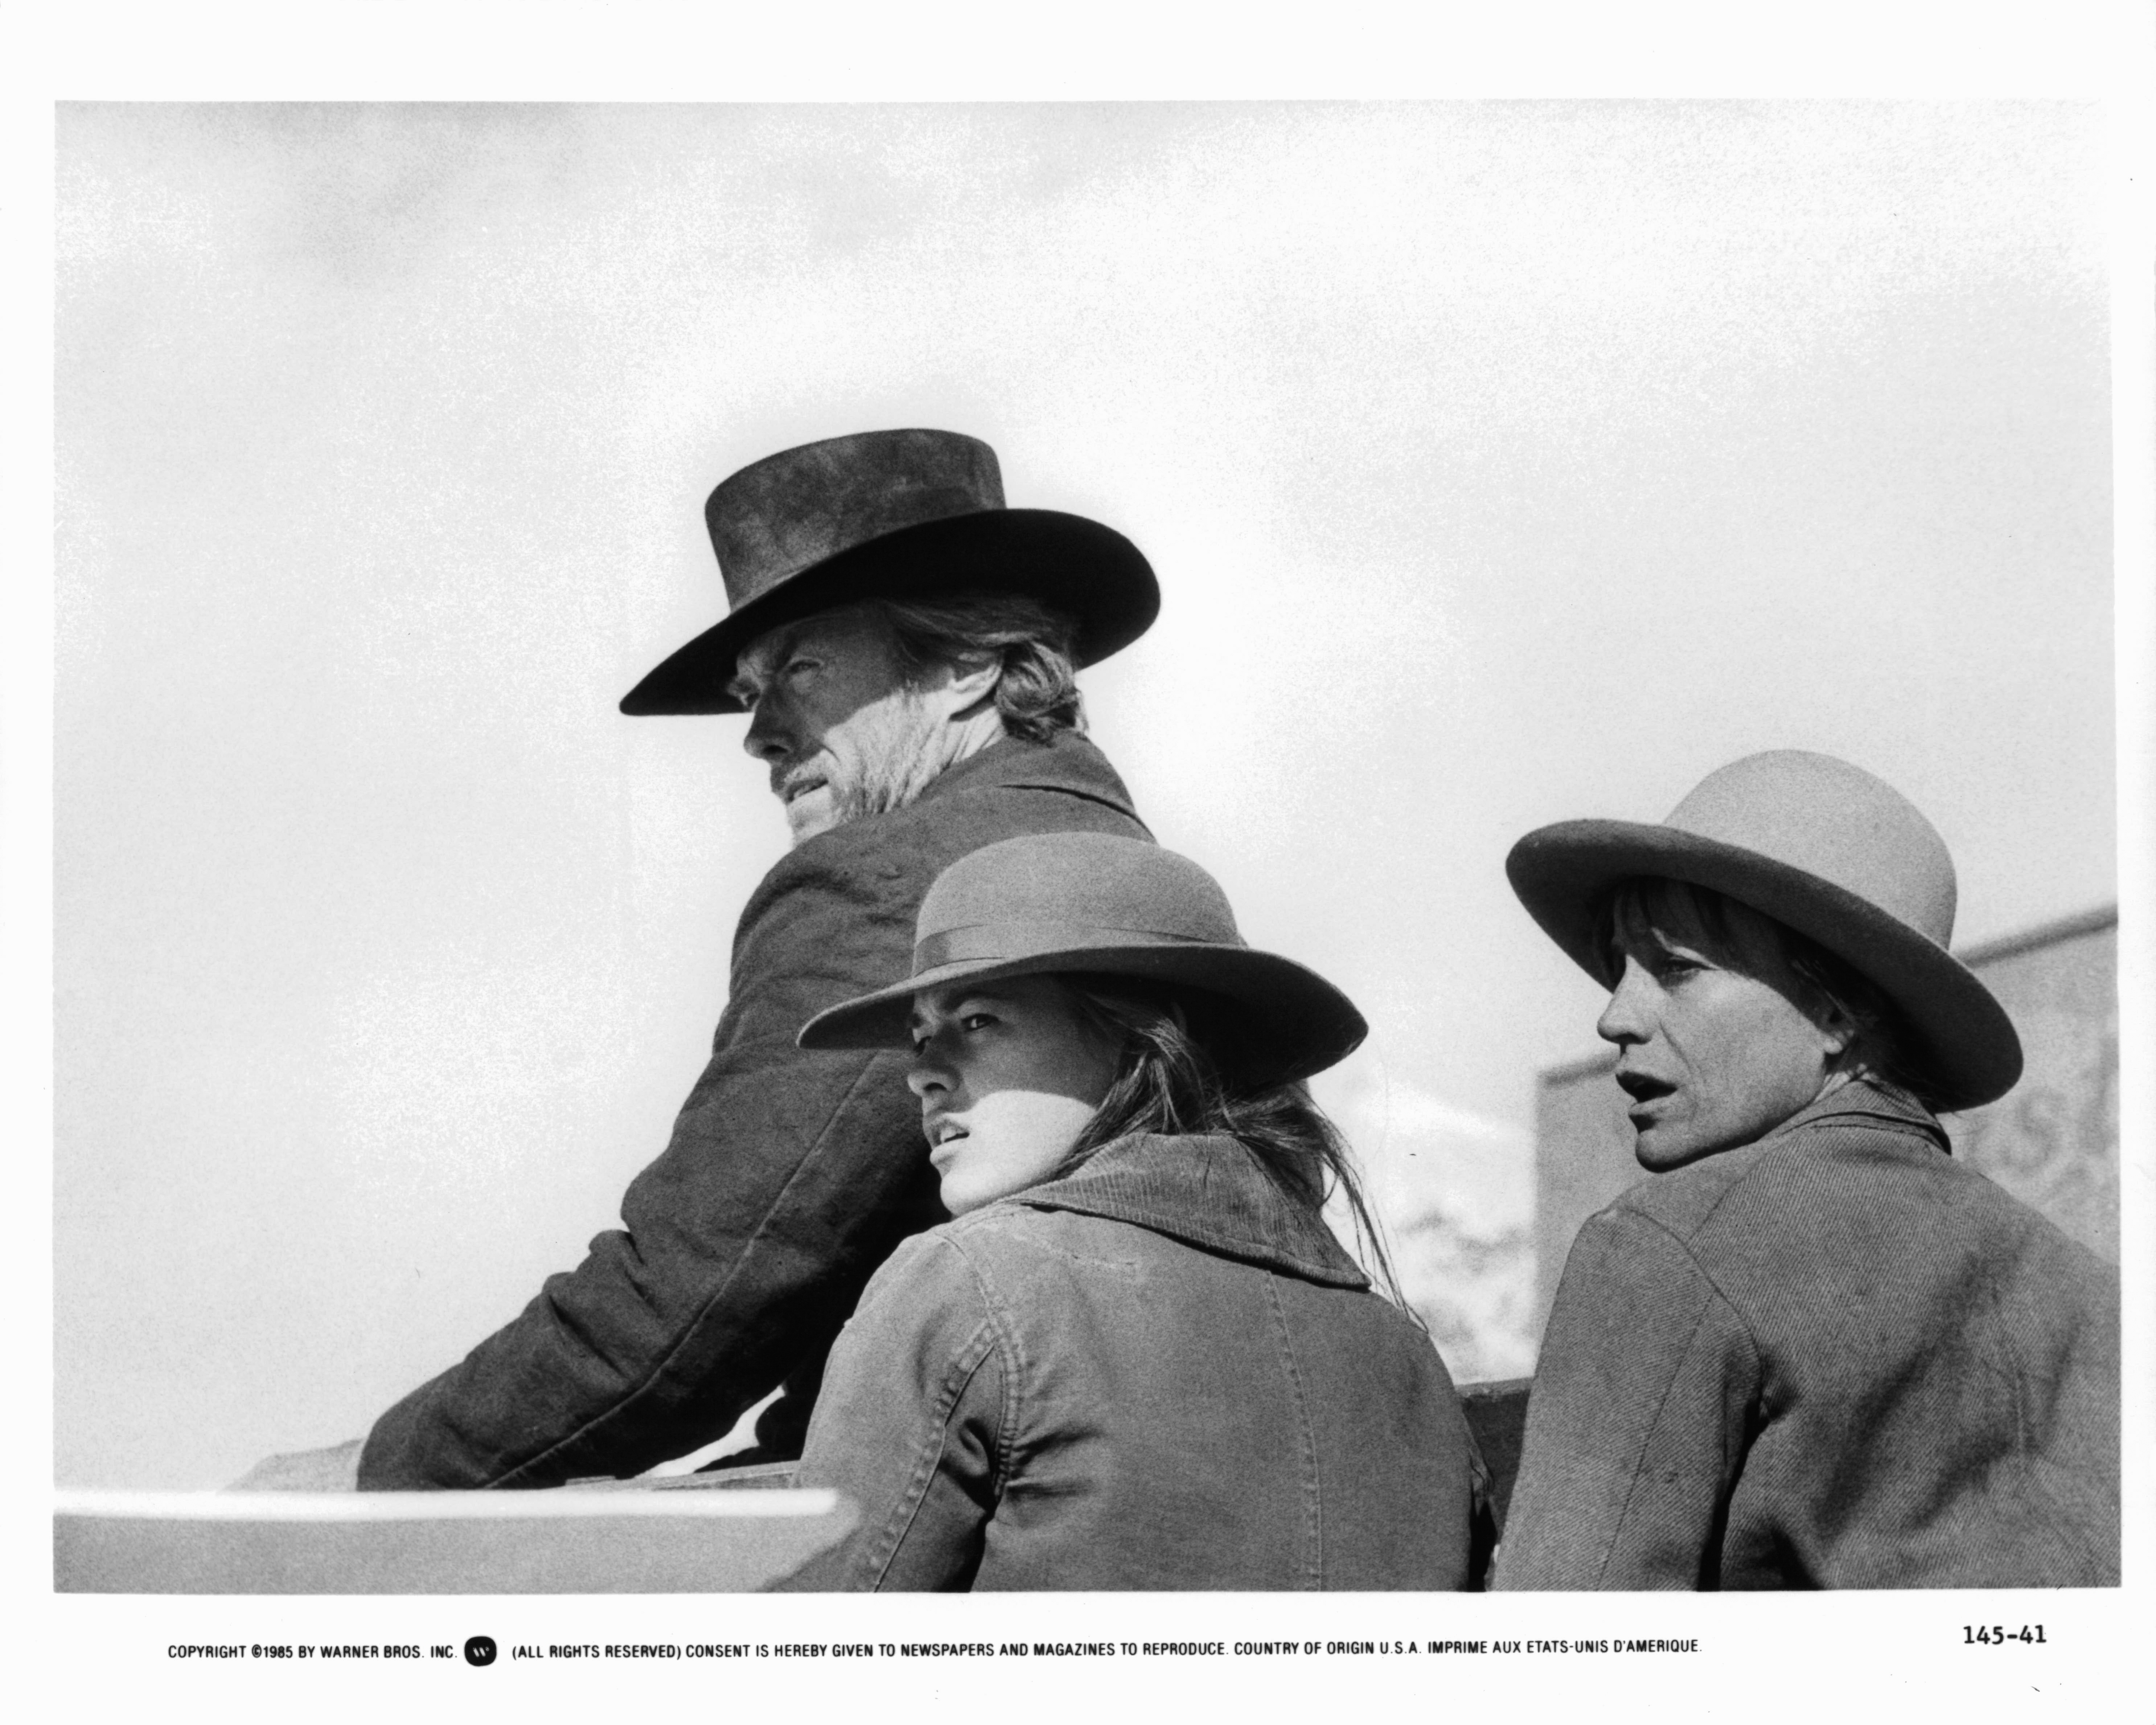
x: 1876, y: 1103
x: 1207, y: 1192
x: 1066, y: 763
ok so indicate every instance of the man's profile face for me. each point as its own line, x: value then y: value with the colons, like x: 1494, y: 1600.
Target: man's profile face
x: 832, y: 718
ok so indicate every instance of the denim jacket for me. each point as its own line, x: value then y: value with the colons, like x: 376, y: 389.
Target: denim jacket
x: 1158, y: 1372
x: 1835, y: 1358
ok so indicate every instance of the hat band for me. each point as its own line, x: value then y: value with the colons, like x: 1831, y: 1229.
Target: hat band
x: 1001, y: 941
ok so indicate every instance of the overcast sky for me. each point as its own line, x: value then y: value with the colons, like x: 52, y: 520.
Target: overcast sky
x: 1500, y: 463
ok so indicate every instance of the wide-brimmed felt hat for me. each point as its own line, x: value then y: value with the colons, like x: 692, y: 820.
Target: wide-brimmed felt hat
x: 1094, y: 903
x: 892, y: 515
x: 1822, y: 847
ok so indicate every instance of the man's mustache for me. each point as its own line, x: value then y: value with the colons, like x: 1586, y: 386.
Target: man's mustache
x: 787, y: 778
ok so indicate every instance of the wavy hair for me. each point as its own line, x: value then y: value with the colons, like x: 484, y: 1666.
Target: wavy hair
x: 1178, y: 1075
x: 1037, y: 691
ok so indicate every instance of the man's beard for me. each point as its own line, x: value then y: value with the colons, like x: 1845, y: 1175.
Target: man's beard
x: 877, y: 760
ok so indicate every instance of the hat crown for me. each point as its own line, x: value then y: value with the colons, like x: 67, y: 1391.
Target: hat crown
x: 1834, y: 821
x: 1070, y: 882
x: 792, y: 510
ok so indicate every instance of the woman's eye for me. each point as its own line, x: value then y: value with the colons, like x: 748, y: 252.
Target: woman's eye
x: 976, y: 1021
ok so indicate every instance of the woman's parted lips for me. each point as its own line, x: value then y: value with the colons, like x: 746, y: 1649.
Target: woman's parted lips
x: 942, y: 1132
x: 1643, y: 1086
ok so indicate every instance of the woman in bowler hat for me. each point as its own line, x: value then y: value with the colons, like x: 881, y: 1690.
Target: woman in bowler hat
x: 1814, y: 1350
x: 1137, y: 1358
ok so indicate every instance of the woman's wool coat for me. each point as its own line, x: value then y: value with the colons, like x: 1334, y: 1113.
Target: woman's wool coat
x: 1834, y: 1358
x: 1158, y: 1372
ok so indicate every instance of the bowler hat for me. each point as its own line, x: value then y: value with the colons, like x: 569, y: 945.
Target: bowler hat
x: 1094, y: 903
x: 894, y: 515
x: 1822, y: 847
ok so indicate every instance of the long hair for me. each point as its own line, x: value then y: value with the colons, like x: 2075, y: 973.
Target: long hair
x: 1883, y: 1047
x: 1036, y: 692
x: 1178, y: 1075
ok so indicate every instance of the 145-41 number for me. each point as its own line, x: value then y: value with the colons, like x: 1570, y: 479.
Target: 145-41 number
x: 1995, y: 1634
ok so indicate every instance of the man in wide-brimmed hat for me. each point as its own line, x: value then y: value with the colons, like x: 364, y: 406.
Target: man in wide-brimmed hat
x: 1815, y: 1350
x: 905, y: 646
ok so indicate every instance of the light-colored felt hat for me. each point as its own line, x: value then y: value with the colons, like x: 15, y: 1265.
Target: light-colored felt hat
x: 1822, y: 847
x: 1090, y: 902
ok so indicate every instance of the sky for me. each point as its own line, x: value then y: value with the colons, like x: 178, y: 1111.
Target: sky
x: 1500, y: 462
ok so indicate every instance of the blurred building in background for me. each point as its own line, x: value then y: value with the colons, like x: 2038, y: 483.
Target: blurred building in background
x: 1454, y: 1193
x: 2052, y: 1140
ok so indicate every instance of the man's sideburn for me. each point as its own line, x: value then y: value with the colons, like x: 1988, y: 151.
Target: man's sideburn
x: 895, y: 757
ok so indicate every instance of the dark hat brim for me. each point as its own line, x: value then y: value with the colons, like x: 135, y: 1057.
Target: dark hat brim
x: 1293, y: 1023
x: 1964, y: 1041
x: 1079, y: 568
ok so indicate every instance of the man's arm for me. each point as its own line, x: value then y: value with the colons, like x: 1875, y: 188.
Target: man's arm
x: 789, y: 1176
x: 1636, y: 1423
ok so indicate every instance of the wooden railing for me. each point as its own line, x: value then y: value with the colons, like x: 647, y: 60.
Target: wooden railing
x: 1498, y: 1416
x: 732, y: 1530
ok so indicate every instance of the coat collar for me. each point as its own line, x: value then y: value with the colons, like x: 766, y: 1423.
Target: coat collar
x: 1066, y: 763
x: 1877, y: 1103
x: 1207, y: 1192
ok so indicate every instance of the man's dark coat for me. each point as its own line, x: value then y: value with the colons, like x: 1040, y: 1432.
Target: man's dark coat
x: 790, y: 1178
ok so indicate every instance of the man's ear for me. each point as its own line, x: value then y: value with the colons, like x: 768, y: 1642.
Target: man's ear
x: 971, y: 688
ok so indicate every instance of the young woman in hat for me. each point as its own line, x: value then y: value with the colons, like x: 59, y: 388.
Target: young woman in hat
x: 1138, y: 1358
x: 1816, y: 1351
